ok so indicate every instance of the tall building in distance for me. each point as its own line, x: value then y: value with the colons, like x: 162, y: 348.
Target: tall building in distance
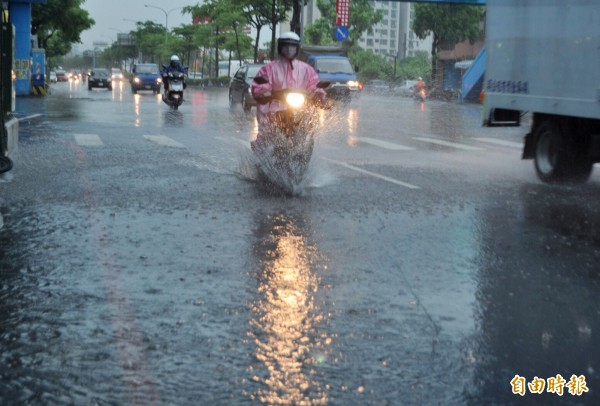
x: 392, y: 36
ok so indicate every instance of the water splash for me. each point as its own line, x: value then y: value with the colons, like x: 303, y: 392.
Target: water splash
x: 294, y: 179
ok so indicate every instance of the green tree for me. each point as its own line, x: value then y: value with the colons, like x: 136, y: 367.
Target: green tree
x: 416, y: 66
x: 150, y: 39
x: 58, y: 24
x: 274, y: 12
x: 253, y: 19
x: 449, y: 24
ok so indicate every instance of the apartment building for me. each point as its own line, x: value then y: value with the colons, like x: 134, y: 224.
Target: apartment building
x: 392, y: 36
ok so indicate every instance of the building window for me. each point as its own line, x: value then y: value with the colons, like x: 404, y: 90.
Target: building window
x: 393, y: 44
x: 370, y: 42
x: 384, y: 32
x: 384, y: 42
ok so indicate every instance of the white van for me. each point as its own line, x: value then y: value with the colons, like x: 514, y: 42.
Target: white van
x: 224, y: 69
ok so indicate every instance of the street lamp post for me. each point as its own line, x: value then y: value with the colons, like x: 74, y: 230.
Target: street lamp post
x: 166, y: 16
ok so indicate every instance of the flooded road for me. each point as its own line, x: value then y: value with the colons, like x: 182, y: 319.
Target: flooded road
x: 142, y: 263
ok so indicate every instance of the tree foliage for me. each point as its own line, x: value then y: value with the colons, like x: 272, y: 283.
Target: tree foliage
x: 58, y: 24
x: 449, y: 24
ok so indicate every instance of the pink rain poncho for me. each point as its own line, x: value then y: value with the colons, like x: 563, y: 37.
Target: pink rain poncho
x: 281, y: 76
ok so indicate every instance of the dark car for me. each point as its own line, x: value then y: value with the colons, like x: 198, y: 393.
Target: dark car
x: 100, y: 78
x: 146, y: 76
x: 240, y: 85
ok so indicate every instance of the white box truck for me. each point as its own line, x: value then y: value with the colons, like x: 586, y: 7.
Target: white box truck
x: 543, y: 57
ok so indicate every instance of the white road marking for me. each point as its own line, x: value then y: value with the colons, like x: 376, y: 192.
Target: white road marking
x: 375, y: 175
x: 88, y: 140
x: 447, y: 144
x: 503, y: 143
x: 384, y: 144
x: 29, y: 117
x: 165, y: 141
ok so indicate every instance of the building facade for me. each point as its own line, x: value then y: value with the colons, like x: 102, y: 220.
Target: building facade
x: 392, y: 36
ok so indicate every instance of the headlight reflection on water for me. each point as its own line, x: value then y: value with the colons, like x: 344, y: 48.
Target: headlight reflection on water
x: 284, y: 328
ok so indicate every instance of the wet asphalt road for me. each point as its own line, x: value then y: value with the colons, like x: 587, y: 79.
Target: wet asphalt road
x: 143, y: 263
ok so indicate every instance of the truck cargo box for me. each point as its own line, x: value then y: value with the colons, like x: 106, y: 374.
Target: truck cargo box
x: 543, y: 58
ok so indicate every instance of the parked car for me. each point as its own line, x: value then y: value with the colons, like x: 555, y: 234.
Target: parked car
x: 53, y: 77
x: 146, y: 76
x: 100, y: 77
x: 61, y: 76
x: 240, y: 86
x: 406, y: 88
x: 116, y: 74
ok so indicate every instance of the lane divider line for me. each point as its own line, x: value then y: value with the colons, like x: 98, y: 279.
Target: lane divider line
x: 503, y: 143
x: 447, y: 144
x: 165, y: 141
x: 88, y: 140
x: 384, y: 144
x: 375, y: 175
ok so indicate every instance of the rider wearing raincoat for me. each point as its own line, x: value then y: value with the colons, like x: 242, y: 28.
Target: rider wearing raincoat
x: 285, y: 72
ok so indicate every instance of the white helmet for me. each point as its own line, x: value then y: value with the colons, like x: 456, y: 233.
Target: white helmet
x: 419, y: 78
x: 175, y: 58
x: 288, y: 38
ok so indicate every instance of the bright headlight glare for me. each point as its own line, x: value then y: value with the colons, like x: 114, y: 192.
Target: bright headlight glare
x: 136, y: 80
x: 352, y: 83
x: 295, y: 99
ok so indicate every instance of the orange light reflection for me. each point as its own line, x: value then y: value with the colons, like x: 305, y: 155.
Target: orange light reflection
x: 285, y: 332
x: 352, y: 127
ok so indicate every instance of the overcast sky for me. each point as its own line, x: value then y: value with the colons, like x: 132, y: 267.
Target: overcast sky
x: 112, y: 17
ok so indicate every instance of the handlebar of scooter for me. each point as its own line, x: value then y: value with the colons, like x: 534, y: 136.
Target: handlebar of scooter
x: 280, y: 94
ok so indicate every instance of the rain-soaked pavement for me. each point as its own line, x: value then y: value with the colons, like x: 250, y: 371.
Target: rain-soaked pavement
x: 143, y: 263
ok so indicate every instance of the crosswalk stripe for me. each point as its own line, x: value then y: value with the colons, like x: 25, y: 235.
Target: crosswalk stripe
x: 503, y: 143
x: 375, y: 175
x: 447, y: 144
x: 384, y: 144
x: 165, y: 141
x: 88, y: 140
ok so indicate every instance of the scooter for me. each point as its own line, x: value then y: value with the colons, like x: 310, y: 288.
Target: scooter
x: 285, y: 155
x: 421, y: 95
x: 173, y: 97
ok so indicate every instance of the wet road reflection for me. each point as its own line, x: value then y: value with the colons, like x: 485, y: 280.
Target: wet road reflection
x: 285, y: 327
x: 538, y: 311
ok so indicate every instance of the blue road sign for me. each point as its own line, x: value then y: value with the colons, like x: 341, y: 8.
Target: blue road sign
x: 341, y: 33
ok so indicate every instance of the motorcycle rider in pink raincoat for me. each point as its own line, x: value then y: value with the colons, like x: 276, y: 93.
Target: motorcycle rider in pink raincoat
x: 285, y: 72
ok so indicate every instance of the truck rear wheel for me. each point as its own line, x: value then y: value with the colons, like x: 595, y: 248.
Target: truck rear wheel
x: 558, y: 158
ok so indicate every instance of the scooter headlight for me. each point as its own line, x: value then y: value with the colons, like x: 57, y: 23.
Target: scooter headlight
x: 295, y: 99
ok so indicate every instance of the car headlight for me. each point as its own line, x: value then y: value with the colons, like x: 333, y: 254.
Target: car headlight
x: 158, y: 80
x: 295, y: 99
x: 353, y: 83
x: 136, y: 80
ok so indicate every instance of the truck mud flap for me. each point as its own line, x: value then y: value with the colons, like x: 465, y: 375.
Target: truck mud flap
x: 529, y: 147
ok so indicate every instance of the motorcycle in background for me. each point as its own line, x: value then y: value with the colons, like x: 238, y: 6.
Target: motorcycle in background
x: 173, y: 96
x: 421, y: 95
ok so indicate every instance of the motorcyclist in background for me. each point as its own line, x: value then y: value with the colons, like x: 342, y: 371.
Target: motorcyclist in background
x: 419, y: 86
x: 283, y: 73
x: 174, y: 66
